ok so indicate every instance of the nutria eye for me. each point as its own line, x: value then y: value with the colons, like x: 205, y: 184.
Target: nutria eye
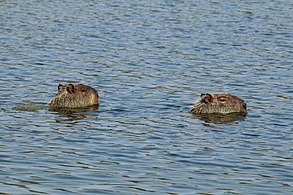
x: 222, y: 100
x: 82, y: 90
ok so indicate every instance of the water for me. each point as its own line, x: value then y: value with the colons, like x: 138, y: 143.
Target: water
x: 149, y: 60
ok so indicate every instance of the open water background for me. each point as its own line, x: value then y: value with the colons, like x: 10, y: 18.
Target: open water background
x: 149, y: 60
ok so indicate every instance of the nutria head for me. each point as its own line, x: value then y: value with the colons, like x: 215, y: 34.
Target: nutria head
x: 223, y: 103
x: 74, y: 96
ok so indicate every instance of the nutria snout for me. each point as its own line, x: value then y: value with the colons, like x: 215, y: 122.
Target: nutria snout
x: 74, y: 96
x: 222, y: 103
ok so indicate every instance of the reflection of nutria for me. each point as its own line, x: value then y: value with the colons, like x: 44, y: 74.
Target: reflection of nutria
x: 220, y: 118
x: 74, y: 96
x: 222, y: 103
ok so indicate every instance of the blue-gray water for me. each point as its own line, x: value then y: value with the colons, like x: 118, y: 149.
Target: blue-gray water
x: 149, y: 60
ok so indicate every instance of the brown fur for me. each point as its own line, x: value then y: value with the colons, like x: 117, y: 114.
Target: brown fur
x: 222, y: 103
x: 74, y: 96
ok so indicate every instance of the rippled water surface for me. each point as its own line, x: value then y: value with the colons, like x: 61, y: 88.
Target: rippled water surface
x: 149, y: 60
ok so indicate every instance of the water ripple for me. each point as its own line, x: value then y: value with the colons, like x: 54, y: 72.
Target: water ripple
x: 149, y: 62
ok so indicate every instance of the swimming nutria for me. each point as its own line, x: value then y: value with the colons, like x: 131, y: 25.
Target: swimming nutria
x: 222, y: 103
x: 74, y: 96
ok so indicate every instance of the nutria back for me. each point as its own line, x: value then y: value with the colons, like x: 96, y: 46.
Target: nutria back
x: 221, y: 103
x: 74, y: 96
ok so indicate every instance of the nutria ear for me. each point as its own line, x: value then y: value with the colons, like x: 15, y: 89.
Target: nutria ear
x: 70, y: 88
x: 59, y: 86
x: 244, y: 105
x: 206, y: 98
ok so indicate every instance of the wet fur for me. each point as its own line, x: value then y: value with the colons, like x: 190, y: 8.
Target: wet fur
x: 222, y: 103
x: 74, y: 96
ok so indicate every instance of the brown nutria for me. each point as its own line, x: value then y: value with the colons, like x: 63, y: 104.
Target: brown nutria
x: 74, y: 96
x: 221, y: 103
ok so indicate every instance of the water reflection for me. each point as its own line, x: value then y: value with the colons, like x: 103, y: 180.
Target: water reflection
x: 220, y: 118
x: 73, y: 114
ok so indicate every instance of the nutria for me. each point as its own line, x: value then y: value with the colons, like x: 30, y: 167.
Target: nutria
x: 221, y: 103
x: 74, y: 96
